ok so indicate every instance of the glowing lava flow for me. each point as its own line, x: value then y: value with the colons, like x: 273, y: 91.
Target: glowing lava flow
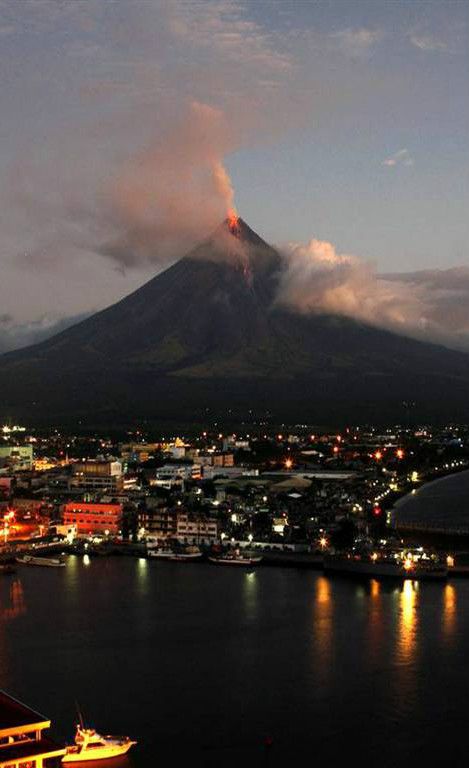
x: 233, y: 222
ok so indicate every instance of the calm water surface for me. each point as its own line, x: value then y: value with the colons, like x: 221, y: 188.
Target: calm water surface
x: 201, y: 663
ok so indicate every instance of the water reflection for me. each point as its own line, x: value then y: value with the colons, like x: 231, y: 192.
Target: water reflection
x: 250, y: 594
x: 449, y: 611
x: 72, y: 575
x: 10, y: 609
x: 142, y: 576
x: 323, y: 617
x: 375, y: 619
x: 408, y: 622
x: 375, y: 588
x: 16, y: 605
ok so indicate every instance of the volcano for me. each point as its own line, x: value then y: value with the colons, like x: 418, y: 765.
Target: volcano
x: 205, y: 340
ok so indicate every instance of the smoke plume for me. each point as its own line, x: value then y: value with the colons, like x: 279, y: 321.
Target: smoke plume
x: 174, y: 192
x: 432, y: 305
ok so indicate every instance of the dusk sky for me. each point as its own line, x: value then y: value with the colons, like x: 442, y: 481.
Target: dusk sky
x: 343, y: 126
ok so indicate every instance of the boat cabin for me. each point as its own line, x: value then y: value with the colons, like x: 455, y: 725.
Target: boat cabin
x: 23, y: 743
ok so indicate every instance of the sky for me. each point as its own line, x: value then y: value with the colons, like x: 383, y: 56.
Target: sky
x: 338, y: 129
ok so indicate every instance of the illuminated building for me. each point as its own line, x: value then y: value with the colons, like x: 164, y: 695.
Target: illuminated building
x: 16, y: 457
x: 223, y: 460
x: 217, y: 460
x: 163, y: 523
x: 92, y: 518
x: 158, y: 522
x: 173, y: 475
x: 196, y: 530
x: 139, y: 452
x: 23, y: 743
x: 98, y: 475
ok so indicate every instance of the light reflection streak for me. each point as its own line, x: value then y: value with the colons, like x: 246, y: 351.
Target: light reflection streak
x: 323, y: 618
x: 142, y: 577
x: 17, y: 604
x: 375, y: 588
x: 449, y: 611
x: 405, y: 680
x: 408, y: 623
x: 250, y: 593
x: 15, y: 607
x: 375, y: 618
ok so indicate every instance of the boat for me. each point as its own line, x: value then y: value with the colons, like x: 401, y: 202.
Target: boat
x: 90, y: 745
x: 186, y: 554
x: 162, y: 553
x: 235, y: 557
x: 398, y: 565
x: 51, y: 562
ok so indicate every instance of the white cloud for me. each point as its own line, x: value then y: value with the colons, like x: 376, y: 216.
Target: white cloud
x: 401, y: 157
x: 222, y: 27
x: 428, y: 43
x: 16, y: 335
x: 357, y: 42
x: 431, y: 305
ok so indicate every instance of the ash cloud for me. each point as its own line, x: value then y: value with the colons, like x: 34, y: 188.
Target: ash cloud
x: 145, y: 206
x: 174, y: 192
x: 430, y: 305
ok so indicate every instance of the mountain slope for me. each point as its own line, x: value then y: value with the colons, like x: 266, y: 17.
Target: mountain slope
x: 206, y: 336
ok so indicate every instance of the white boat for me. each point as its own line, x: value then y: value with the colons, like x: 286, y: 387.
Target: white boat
x: 51, y: 562
x: 186, y: 553
x: 90, y: 745
x: 185, y: 556
x: 163, y: 553
x: 235, y: 558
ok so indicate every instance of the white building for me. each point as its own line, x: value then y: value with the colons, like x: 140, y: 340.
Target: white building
x: 173, y: 475
x: 197, y: 530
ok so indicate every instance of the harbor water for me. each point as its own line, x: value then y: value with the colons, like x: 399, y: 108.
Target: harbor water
x: 226, y: 667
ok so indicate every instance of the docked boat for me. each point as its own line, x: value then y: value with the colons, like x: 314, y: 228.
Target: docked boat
x: 235, y: 557
x: 176, y: 553
x: 51, y: 562
x: 187, y: 554
x: 385, y: 565
x: 162, y: 553
x: 90, y: 745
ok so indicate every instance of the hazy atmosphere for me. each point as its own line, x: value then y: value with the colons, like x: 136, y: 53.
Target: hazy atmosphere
x: 338, y: 131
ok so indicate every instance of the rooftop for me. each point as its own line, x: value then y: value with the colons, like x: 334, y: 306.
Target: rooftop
x: 14, y: 714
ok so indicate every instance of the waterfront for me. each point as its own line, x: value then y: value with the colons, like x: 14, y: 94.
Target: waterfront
x: 443, y: 502
x: 203, y: 664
